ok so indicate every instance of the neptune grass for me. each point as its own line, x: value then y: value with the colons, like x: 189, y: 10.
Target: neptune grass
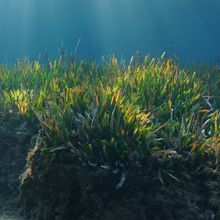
x: 104, y: 112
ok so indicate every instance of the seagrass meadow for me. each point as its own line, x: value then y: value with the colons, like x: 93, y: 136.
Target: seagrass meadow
x: 110, y: 139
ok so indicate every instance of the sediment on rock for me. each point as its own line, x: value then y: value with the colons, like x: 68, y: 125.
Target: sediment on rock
x: 56, y: 187
x: 16, y: 138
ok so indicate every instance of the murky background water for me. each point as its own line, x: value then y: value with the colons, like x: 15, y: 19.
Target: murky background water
x: 5, y: 217
x: 188, y: 28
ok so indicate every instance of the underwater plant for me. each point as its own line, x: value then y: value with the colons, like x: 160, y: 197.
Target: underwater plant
x: 105, y: 112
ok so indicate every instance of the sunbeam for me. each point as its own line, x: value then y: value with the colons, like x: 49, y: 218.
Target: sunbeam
x: 187, y: 28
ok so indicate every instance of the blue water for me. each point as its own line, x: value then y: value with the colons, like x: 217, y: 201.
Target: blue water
x: 189, y: 29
